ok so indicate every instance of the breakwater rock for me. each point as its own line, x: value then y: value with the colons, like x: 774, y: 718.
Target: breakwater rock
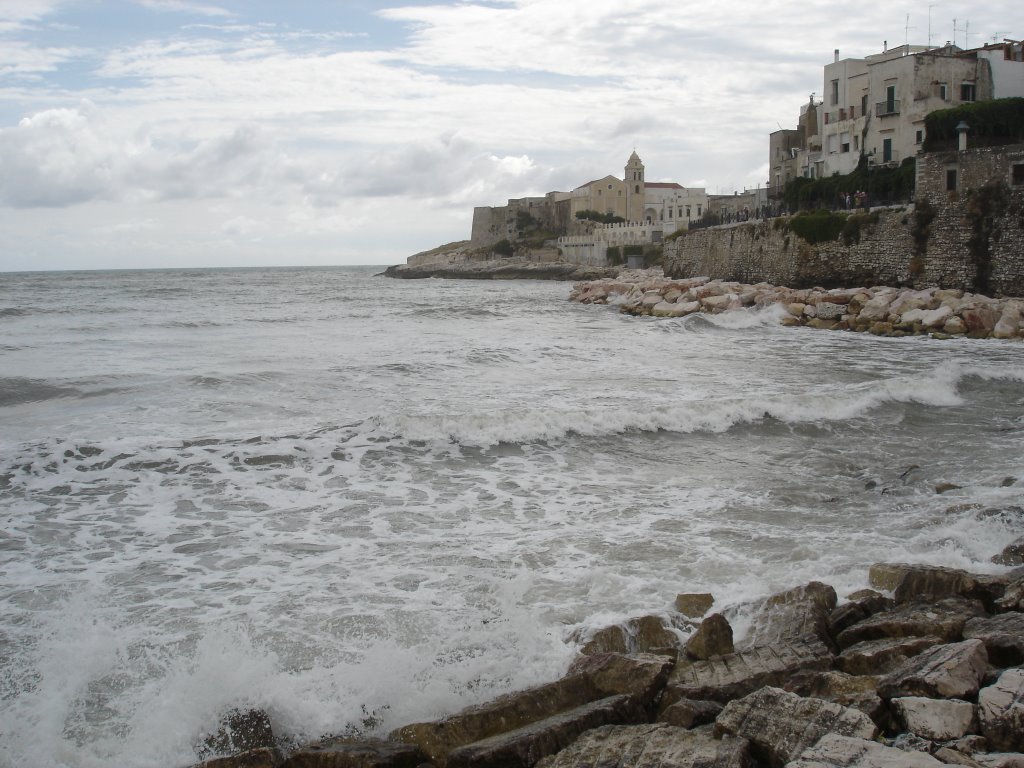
x: 502, y: 269
x: 939, y: 658
x: 882, y: 311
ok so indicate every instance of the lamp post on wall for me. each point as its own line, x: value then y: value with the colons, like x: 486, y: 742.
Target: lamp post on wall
x: 961, y: 134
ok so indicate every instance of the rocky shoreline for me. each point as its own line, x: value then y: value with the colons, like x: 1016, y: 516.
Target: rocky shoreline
x: 501, y: 269
x: 883, y: 311
x: 924, y: 669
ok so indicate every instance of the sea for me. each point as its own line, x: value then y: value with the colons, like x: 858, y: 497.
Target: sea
x: 355, y: 502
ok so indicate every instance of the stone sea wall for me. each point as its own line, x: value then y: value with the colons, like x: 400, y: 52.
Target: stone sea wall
x: 971, y: 241
x: 883, y: 311
x: 924, y: 669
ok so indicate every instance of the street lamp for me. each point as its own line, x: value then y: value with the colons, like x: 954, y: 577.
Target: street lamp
x: 961, y: 132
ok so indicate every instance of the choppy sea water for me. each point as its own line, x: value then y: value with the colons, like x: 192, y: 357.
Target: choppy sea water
x: 357, y: 502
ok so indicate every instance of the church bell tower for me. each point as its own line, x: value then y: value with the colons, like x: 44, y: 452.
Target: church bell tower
x: 634, y: 179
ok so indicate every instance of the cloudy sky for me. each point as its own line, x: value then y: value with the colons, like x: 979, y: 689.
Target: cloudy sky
x: 163, y: 133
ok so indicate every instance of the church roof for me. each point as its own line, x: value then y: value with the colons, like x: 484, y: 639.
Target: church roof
x: 663, y: 185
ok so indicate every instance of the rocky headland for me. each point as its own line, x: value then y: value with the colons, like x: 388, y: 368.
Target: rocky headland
x: 883, y: 311
x: 924, y: 669
x: 501, y: 269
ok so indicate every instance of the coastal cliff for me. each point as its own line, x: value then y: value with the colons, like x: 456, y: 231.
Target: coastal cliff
x: 502, y: 269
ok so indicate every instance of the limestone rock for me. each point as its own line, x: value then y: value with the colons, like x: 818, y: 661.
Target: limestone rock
x: 512, y: 711
x: 1013, y: 596
x: 1001, y: 760
x: 641, y: 675
x: 1003, y: 636
x: 523, y: 747
x: 876, y: 657
x: 781, y: 725
x: 638, y: 635
x: 952, y: 757
x: 935, y: 719
x: 356, y: 754
x: 854, y: 691
x: 835, y: 751
x: 944, y: 618
x: 737, y: 675
x: 669, y: 309
x: 651, y: 746
x: 694, y: 605
x: 857, y: 610
x: 690, y: 713
x: 792, y: 616
x: 712, y: 638
x: 256, y: 758
x: 1001, y: 711
x: 945, y: 671
x: 1012, y: 554
x: 241, y: 730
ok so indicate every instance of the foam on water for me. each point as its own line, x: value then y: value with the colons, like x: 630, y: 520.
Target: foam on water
x: 379, y: 509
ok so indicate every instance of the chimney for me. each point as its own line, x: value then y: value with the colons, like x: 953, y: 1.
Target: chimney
x: 885, y: 46
x: 837, y: 55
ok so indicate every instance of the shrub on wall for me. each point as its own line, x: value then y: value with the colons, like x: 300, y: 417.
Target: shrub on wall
x: 614, y: 255
x: 999, y: 121
x: 818, y: 226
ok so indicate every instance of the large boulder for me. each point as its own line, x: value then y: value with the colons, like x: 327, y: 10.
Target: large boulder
x: 1001, y: 711
x: 651, y: 746
x: 1003, y: 636
x: 523, y: 747
x: 796, y: 615
x: 345, y: 753
x: 712, y: 638
x: 945, y: 671
x: 944, y: 618
x: 637, y: 635
x: 738, y: 674
x: 854, y: 691
x: 255, y: 758
x: 836, y: 751
x: 930, y: 582
x: 690, y: 713
x: 642, y: 675
x: 240, y: 730
x: 694, y: 604
x: 856, y: 610
x: 876, y: 657
x: 935, y: 719
x: 781, y: 725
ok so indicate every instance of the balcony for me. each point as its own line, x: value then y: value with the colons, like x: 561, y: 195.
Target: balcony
x: 886, y: 108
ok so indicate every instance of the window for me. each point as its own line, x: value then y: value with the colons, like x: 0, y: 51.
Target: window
x: 890, y: 99
x: 967, y: 92
x: 943, y: 92
x: 698, y: 211
x: 887, y: 150
x: 1017, y: 175
x: 951, y: 179
x: 856, y: 143
x: 835, y: 93
x: 776, y: 181
x: 918, y: 137
x: 609, y: 186
x: 864, y: 104
x: 637, y: 190
x: 844, y: 142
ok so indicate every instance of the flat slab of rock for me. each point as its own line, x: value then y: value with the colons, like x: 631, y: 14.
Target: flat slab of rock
x: 932, y: 582
x: 253, y: 758
x: 356, y: 754
x: 877, y: 657
x: 945, y: 671
x: 651, y: 746
x: 854, y: 691
x: 506, y: 713
x: 1001, y: 711
x: 731, y: 677
x: 523, y: 747
x: 639, y: 635
x: 944, y: 618
x: 935, y: 719
x: 781, y: 725
x: 795, y: 615
x: 835, y: 751
x: 694, y: 604
x: 1003, y: 636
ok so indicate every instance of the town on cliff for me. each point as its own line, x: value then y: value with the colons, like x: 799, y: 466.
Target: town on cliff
x: 909, y: 174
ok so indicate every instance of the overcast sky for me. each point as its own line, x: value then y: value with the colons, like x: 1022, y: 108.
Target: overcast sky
x: 164, y: 133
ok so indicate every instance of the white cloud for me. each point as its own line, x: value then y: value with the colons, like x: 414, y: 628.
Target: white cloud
x: 183, y: 6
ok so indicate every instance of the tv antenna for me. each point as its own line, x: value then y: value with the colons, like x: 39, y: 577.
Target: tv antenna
x: 930, y: 23
x: 906, y: 32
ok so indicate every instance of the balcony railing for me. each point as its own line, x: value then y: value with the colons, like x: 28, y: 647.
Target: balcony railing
x: 884, y: 108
